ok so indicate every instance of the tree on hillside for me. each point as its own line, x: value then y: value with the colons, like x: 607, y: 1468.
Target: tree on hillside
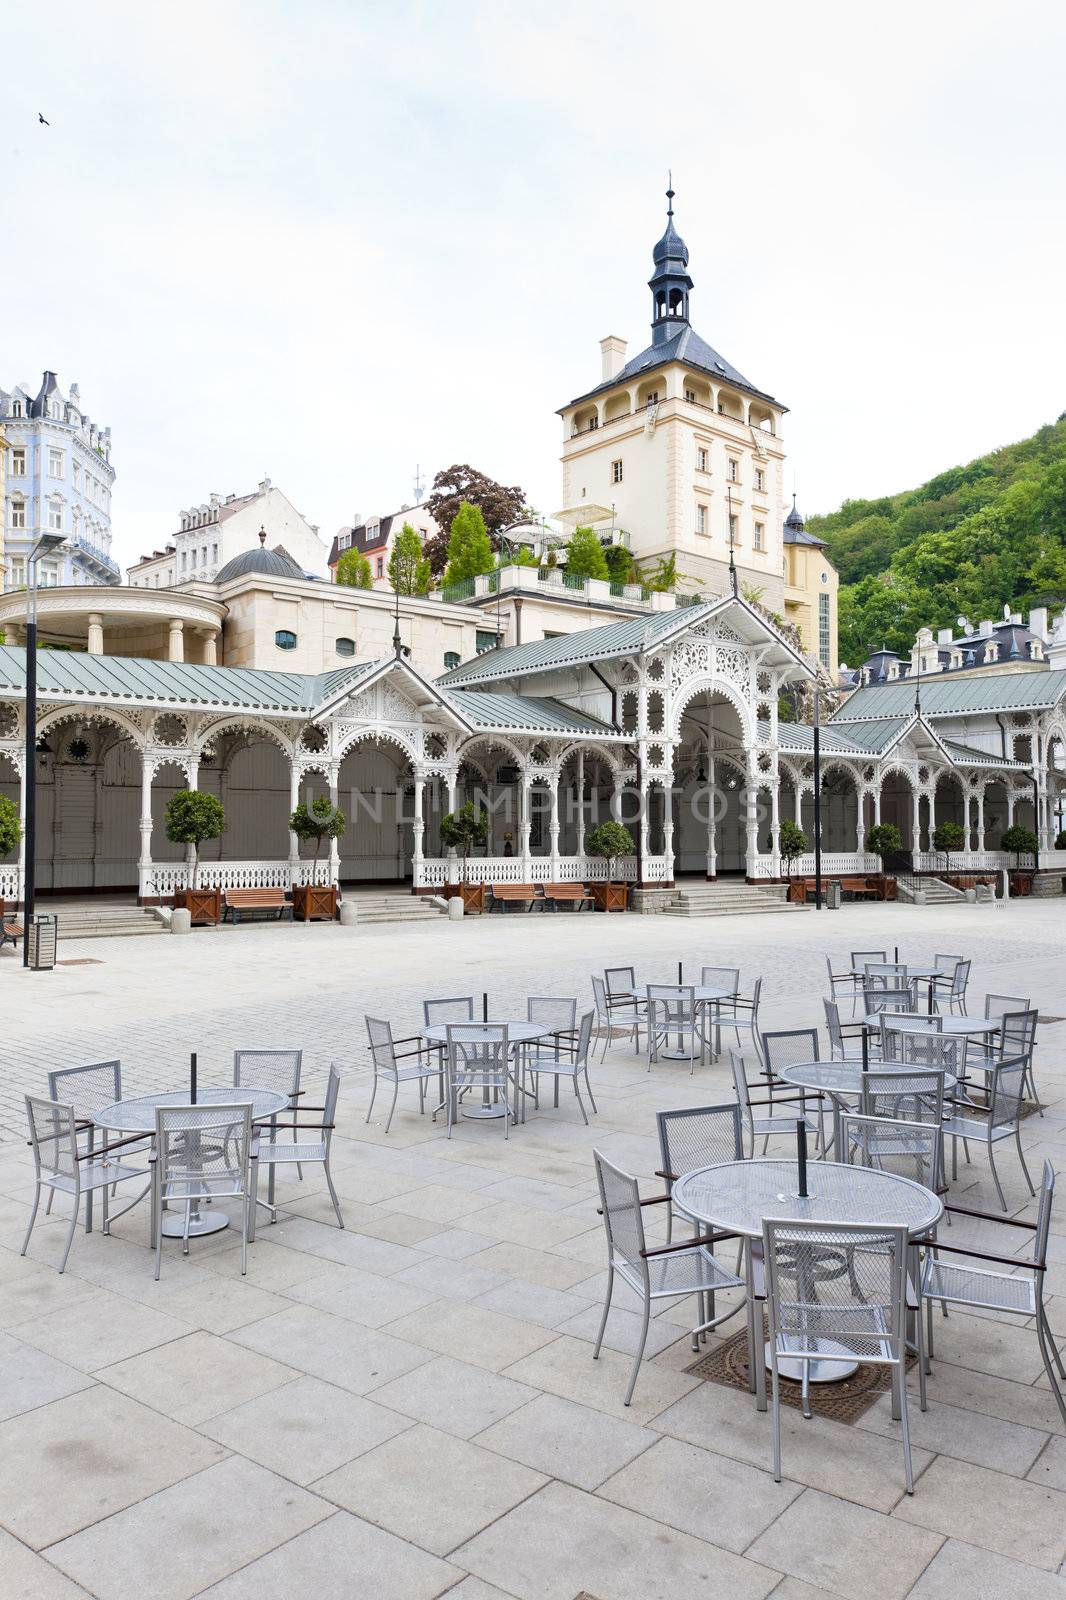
x: 353, y: 570
x: 469, y: 550
x: 408, y: 567
x: 585, y: 557
x: 500, y: 505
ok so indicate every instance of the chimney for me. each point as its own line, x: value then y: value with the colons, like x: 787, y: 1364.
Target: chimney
x: 1038, y: 621
x: 264, y: 485
x: 944, y: 636
x: 357, y: 520
x: 613, y: 355
x: 1016, y: 618
x: 985, y: 627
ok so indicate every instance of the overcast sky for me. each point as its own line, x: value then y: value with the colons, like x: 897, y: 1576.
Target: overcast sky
x: 328, y: 242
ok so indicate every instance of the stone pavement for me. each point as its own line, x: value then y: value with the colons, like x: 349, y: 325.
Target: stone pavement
x: 409, y: 1408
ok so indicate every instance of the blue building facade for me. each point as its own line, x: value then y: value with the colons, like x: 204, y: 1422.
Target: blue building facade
x: 58, y: 480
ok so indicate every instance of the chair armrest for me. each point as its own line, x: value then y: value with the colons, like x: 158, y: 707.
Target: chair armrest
x: 671, y: 1177
x: 106, y: 1149
x: 311, y: 1127
x: 990, y: 1216
x: 985, y: 1255
x: 788, y: 1100
x: 689, y: 1244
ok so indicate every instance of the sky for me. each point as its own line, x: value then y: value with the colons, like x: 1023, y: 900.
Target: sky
x: 334, y: 243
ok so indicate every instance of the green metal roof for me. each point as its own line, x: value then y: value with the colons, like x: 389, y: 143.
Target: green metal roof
x: 572, y: 649
x: 970, y: 757
x: 115, y: 679
x: 523, y: 714
x: 869, y: 737
x: 994, y: 691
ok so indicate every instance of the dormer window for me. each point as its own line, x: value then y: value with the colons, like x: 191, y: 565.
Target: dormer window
x: 16, y: 408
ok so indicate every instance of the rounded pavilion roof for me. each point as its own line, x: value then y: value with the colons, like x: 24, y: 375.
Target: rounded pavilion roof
x: 270, y: 563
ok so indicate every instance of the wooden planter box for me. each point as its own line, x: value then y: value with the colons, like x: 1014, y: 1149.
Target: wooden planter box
x: 310, y: 903
x: 610, y: 896
x: 203, y: 905
x: 472, y: 895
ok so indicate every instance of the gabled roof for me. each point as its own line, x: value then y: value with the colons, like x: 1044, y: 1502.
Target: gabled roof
x: 686, y: 346
x: 877, y: 736
x: 519, y: 713
x: 613, y: 641
x: 993, y: 691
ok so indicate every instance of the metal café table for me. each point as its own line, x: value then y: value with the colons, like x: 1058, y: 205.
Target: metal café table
x: 843, y: 1079
x: 519, y: 1032
x: 735, y: 1196
x: 703, y: 994
x: 951, y: 1026
x: 138, y: 1116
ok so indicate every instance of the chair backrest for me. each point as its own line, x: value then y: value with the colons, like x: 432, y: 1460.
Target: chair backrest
x: 997, y: 1005
x: 329, y: 1102
x: 53, y: 1137
x: 382, y: 1048
x: 1043, y: 1215
x: 584, y: 1038
x: 858, y: 1272
x: 192, y: 1166
x: 934, y: 1052
x: 87, y: 1089
x: 478, y: 1047
x: 622, y: 1217
x: 671, y: 1005
x: 268, y: 1069
x: 885, y: 974
x: 960, y: 978
x: 743, y: 1092
x: 895, y: 1024
x: 859, y: 958
x: 699, y: 1136
x: 947, y: 963
x: 458, y: 1009
x: 878, y: 999
x: 555, y: 1012
x: 620, y: 981
x: 1018, y: 1032
x: 599, y: 995
x: 721, y: 978
x: 909, y: 1149
x: 1005, y: 1091
x: 904, y: 1096
x: 790, y: 1048
x: 832, y: 1022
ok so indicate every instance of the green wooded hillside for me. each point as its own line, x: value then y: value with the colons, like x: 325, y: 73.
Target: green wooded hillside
x: 966, y: 542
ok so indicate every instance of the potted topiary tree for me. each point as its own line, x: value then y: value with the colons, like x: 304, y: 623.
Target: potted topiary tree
x: 609, y: 841
x: 884, y: 839
x: 948, y: 836
x: 191, y: 817
x: 1020, y: 842
x: 10, y: 834
x: 465, y: 830
x: 791, y: 842
x: 319, y: 821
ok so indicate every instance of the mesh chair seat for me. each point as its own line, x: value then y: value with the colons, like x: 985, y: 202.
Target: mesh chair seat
x: 860, y: 1331
x: 783, y: 1124
x: 94, y: 1175
x: 977, y: 1128
x: 688, y: 1272
x: 425, y: 1069
x: 276, y: 1154
x: 942, y: 1280
x: 200, y: 1186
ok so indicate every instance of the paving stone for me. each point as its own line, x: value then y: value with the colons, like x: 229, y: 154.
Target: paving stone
x: 29, y: 1378
x: 963, y: 1569
x: 31, y: 1577
x: 194, y: 1378
x: 116, y: 1328
x: 1026, y: 1521
x: 304, y: 1430
x: 470, y: 1333
x: 567, y: 1441
x: 454, y: 1396
x: 845, y: 1548
x: 332, y: 1348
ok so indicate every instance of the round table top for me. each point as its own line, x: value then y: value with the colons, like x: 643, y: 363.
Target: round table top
x: 908, y: 972
x: 843, y: 1077
x: 737, y: 1195
x: 949, y: 1024
x: 700, y: 991
x: 138, y: 1115
x: 518, y: 1032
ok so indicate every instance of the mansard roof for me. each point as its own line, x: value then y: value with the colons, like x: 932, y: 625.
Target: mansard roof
x: 686, y: 346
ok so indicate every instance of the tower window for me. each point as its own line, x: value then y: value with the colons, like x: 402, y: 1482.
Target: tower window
x: 823, y: 629
x: 760, y: 535
x: 653, y: 398
x: 703, y: 459
x: 732, y: 529
x: 690, y: 396
x: 760, y: 478
x: 701, y: 519
x: 732, y: 470
x: 616, y: 472
x: 16, y: 408
x: 285, y: 639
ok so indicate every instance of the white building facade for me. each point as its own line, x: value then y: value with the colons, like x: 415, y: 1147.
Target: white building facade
x: 213, y: 533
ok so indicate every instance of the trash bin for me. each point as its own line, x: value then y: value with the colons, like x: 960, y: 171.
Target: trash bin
x: 43, y: 936
x: 832, y: 895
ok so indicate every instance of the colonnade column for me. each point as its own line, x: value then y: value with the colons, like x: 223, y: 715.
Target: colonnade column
x: 860, y: 823
x: 668, y: 825
x: 775, y: 828
x: 294, y: 800
x: 23, y: 780
x: 553, y: 826
x: 334, y: 844
x: 916, y: 826
x: 524, y: 820
x: 751, y: 816
x: 644, y: 821
x: 192, y: 781
x: 176, y: 641
x: 1010, y: 808
x: 712, y: 819
x: 417, y: 830
x: 580, y: 803
x: 981, y: 819
x: 144, y: 860
x: 96, y: 634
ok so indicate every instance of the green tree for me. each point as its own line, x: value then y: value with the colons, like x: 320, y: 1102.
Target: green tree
x: 661, y: 577
x: 319, y: 821
x: 585, y: 557
x: 619, y: 563
x: 609, y: 841
x: 353, y: 570
x: 791, y: 842
x: 10, y: 827
x: 469, y: 550
x: 465, y: 830
x: 499, y: 504
x: 948, y: 836
x: 884, y: 839
x: 1020, y: 842
x: 191, y: 817
x: 408, y: 568
x: 519, y: 555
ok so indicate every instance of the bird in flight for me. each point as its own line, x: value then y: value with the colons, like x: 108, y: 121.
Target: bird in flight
x: 44, y: 119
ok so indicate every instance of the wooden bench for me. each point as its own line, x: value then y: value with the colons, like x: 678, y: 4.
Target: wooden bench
x: 568, y: 894
x: 10, y: 926
x: 514, y: 894
x: 242, y: 902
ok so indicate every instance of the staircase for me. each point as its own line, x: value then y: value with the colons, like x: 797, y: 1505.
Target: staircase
x: 728, y: 897
x: 398, y: 907
x: 86, y: 919
x: 936, y: 891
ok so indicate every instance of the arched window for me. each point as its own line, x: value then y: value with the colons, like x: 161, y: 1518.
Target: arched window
x: 346, y: 647
x: 285, y: 639
x: 451, y: 659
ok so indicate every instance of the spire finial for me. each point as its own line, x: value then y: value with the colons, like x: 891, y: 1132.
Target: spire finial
x: 262, y: 534
x: 669, y: 192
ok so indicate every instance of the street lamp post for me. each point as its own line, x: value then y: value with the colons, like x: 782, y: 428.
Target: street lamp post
x: 817, y: 803
x: 47, y: 544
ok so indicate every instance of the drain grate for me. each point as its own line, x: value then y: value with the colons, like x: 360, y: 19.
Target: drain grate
x: 846, y: 1401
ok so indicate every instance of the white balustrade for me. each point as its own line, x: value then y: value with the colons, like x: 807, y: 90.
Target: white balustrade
x: 9, y: 882
x: 433, y: 870
x: 835, y: 863
x: 162, y: 879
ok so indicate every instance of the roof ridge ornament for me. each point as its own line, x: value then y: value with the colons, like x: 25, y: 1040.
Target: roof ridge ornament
x: 262, y: 534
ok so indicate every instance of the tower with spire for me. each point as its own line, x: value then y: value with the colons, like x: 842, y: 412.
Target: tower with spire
x: 676, y: 452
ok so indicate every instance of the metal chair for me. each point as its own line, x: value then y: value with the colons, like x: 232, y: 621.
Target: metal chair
x: 843, y: 985
x: 845, y: 1046
x: 559, y: 1016
x: 60, y: 1165
x: 770, y: 1125
x: 386, y: 1060
x: 792, y: 1048
x: 89, y: 1089
x: 457, y: 1008
x: 727, y: 978
x: 309, y: 1151
x: 911, y: 1150
x: 817, y: 1312
x: 876, y: 998
x: 571, y: 1060
x: 621, y: 983
x: 904, y: 1095
x: 886, y: 975
x: 1016, y: 1037
x: 674, y: 1014
x: 697, y: 1136
x: 202, y: 1153
x: 990, y: 1125
x: 743, y: 1015
x: 894, y: 1024
x: 617, y: 1015
x: 270, y: 1069
x: 945, y: 966
x: 479, y: 1058
x: 1018, y: 1292
x: 663, y: 1273
x: 955, y: 993
x: 859, y: 958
